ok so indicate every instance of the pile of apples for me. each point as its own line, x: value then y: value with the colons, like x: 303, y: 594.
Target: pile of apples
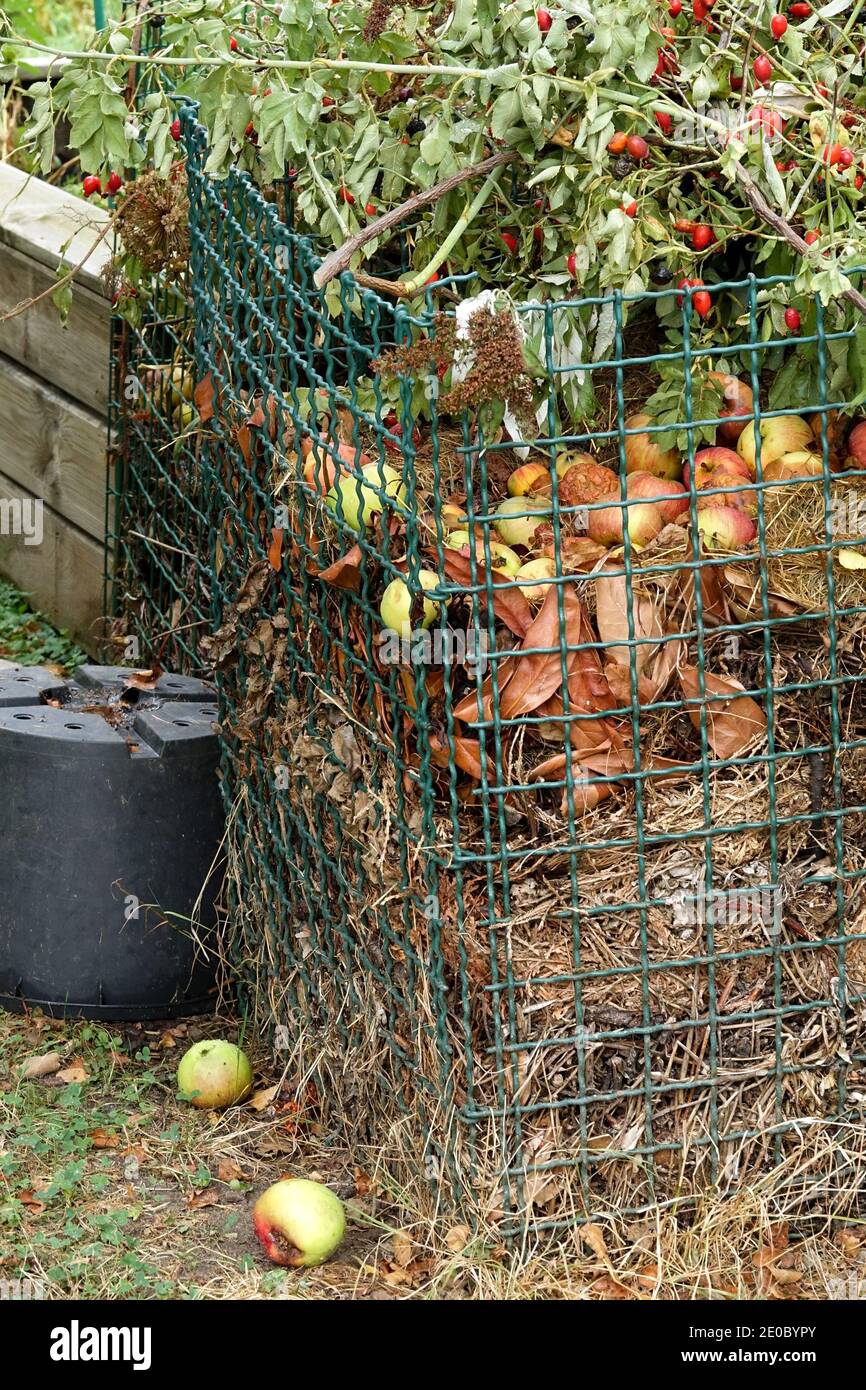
x: 658, y: 493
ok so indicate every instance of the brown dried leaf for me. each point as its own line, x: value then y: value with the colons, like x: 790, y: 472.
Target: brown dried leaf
x: 144, y: 680
x: 101, y: 1139
x: 592, y: 1235
x: 260, y: 1100
x: 509, y: 605
x: 403, y: 1249
x: 733, y: 722
x: 275, y: 549
x: 611, y: 616
x: 345, y: 572
x: 203, y: 398
x: 549, y: 653
x: 205, y: 1197
x: 457, y: 1239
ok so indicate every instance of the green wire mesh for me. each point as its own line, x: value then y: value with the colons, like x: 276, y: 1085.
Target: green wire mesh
x: 487, y: 961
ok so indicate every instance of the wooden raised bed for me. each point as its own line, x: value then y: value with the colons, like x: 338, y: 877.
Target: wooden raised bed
x: 54, y: 399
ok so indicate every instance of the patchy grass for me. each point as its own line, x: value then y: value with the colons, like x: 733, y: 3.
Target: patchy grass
x: 111, y: 1187
x: 28, y: 636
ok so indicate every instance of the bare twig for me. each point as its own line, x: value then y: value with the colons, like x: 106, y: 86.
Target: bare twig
x: 338, y: 260
x: 756, y: 199
x: 64, y: 279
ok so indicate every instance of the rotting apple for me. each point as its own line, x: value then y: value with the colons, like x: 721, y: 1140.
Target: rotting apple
x: 529, y: 477
x: 606, y: 524
x: 214, y: 1074
x: 356, y: 501
x: 396, y: 605
x: 733, y: 491
x: 504, y: 559
x: 716, y: 459
x: 518, y: 518
x: 299, y: 1223
x: 780, y: 434
x: 726, y: 528
x: 800, y: 465
x: 587, y: 482
x: 655, y: 489
x: 738, y: 403
x: 644, y: 455
x: 533, y: 578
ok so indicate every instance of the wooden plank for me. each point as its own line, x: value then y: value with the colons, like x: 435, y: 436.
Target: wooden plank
x: 38, y: 220
x: 62, y: 576
x: 76, y: 358
x: 53, y: 448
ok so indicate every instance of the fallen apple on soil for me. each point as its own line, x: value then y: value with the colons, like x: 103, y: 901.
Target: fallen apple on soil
x: 299, y: 1223
x: 528, y: 478
x: 518, y: 518
x: 729, y: 490
x: 539, y: 571
x: 504, y: 559
x: 644, y: 523
x: 643, y: 454
x: 717, y: 459
x: 357, y: 501
x: 726, y: 528
x: 780, y: 434
x: 396, y: 605
x: 738, y: 402
x: 646, y: 485
x: 214, y: 1074
x: 802, y: 464
x: 587, y: 481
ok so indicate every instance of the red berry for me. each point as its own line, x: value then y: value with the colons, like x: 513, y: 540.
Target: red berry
x: 175, y: 130
x: 249, y: 130
x: 800, y: 10
x: 115, y: 183
x: 630, y: 209
x: 762, y: 68
x: 370, y: 209
x: 233, y: 44
x: 91, y: 185
x: 665, y: 121
x: 700, y: 9
x: 858, y: 181
x: 702, y: 237
x: 702, y: 303
x: 811, y: 237
x: 792, y: 320
x: 327, y: 101
x: 346, y: 196
x: 545, y: 19
x: 736, y: 82
x: 778, y: 25
x: 510, y: 241
x: 637, y: 147
x: 571, y: 263
x: 846, y: 158
x: 617, y: 142
x: 675, y: 8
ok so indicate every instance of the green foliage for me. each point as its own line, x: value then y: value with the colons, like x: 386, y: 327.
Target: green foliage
x: 28, y: 637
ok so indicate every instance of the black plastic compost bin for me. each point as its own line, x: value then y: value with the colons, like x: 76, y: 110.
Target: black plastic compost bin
x: 110, y: 822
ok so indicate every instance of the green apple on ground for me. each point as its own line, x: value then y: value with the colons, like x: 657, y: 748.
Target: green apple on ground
x: 214, y: 1074
x: 396, y: 605
x: 518, y: 518
x: 780, y: 434
x: 299, y: 1223
x: 357, y: 501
